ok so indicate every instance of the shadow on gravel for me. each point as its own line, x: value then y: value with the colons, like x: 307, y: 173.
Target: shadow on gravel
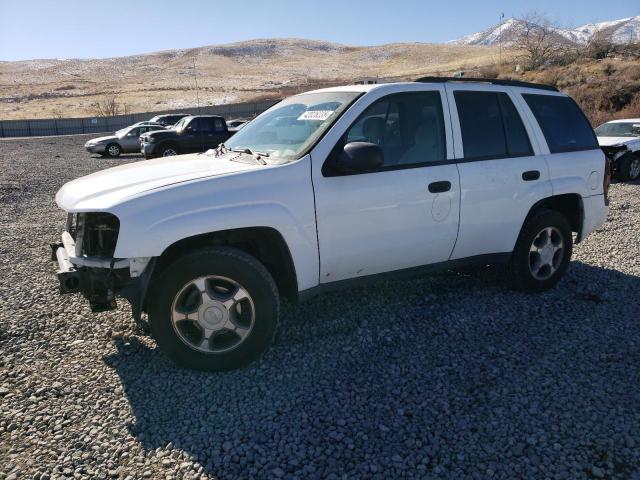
x: 448, y: 374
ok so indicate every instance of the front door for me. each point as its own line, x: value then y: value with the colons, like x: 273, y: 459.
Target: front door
x: 405, y: 213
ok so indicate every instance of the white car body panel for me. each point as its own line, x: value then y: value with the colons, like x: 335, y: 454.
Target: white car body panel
x: 632, y: 144
x: 379, y: 222
x: 495, y: 199
x: 160, y: 202
x: 347, y: 226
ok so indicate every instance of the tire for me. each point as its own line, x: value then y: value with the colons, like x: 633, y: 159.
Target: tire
x: 540, y: 270
x: 112, y: 150
x: 628, y: 168
x: 237, y: 334
x: 169, y: 150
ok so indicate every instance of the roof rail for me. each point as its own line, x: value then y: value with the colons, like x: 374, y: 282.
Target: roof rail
x: 494, y: 81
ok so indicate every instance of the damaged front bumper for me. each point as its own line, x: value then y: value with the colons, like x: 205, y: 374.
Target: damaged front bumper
x: 99, y: 279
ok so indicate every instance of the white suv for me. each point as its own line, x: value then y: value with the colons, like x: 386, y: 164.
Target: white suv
x: 327, y: 189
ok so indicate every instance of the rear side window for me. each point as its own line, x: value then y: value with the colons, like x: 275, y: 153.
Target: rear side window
x: 491, y: 126
x: 562, y: 122
x: 219, y: 125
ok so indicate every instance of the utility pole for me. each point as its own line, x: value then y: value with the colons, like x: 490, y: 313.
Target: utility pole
x: 500, y: 36
x: 195, y: 76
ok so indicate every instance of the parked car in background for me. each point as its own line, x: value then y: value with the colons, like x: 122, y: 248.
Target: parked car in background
x: 147, y: 123
x: 168, y: 119
x: 191, y: 134
x: 126, y: 140
x: 237, y: 123
x: 621, y: 140
x: 333, y: 188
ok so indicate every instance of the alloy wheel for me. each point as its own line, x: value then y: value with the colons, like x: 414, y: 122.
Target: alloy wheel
x: 213, y: 314
x: 546, y: 253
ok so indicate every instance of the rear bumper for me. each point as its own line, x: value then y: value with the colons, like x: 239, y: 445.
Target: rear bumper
x: 595, y: 213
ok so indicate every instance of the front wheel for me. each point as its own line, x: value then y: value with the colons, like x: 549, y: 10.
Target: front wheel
x: 542, y: 252
x: 168, y: 151
x: 214, y: 309
x: 113, y: 150
x: 629, y: 167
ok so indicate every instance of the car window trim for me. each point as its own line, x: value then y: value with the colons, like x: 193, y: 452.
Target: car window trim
x: 327, y: 173
x: 544, y: 137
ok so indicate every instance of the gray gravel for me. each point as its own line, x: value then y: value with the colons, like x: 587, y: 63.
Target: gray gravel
x: 452, y: 376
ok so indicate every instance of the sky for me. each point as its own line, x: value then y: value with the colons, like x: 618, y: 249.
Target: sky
x: 96, y: 29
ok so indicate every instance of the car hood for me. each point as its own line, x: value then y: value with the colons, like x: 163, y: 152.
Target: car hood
x: 158, y: 134
x: 103, y: 139
x: 104, y: 189
x: 608, y: 141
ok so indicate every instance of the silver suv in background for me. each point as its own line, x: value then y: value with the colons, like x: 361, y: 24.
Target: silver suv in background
x: 126, y: 140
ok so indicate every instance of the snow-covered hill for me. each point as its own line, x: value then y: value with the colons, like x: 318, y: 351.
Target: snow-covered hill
x: 624, y: 30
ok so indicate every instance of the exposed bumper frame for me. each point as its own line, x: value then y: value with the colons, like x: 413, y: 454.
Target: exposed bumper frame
x: 101, y: 279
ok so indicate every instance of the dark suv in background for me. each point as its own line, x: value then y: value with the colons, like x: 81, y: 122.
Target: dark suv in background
x: 169, y: 119
x: 191, y: 134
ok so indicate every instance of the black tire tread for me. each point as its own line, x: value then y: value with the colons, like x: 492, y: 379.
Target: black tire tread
x: 518, y: 271
x: 205, y: 254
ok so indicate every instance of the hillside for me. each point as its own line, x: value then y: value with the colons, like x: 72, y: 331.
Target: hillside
x: 228, y: 73
x: 624, y: 30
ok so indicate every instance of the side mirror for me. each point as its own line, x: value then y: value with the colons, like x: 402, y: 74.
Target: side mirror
x: 359, y: 157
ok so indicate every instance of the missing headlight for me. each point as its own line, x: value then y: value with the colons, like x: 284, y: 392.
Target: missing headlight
x: 97, y: 234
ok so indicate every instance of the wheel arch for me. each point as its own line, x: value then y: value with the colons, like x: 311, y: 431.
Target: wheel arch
x: 570, y: 205
x: 168, y: 143
x: 264, y: 243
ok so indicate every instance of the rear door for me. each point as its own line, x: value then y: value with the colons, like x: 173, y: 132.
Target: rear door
x: 405, y: 213
x: 502, y: 171
x: 214, y: 133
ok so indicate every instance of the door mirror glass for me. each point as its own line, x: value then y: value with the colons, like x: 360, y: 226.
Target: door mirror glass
x: 359, y: 157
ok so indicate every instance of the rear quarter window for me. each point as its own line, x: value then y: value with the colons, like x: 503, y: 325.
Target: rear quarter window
x: 563, y: 124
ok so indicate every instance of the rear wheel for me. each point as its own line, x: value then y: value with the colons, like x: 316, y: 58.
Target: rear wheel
x: 629, y: 167
x: 542, y: 252
x: 113, y: 150
x: 214, y: 309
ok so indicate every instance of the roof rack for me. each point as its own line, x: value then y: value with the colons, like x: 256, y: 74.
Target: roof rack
x: 494, y: 81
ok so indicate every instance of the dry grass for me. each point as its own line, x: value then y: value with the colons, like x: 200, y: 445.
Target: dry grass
x: 606, y: 89
x: 226, y: 74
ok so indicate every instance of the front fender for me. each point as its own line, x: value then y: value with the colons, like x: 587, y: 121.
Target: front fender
x: 277, y: 197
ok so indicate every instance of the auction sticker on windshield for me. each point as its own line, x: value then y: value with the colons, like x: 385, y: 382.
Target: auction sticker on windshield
x: 316, y: 115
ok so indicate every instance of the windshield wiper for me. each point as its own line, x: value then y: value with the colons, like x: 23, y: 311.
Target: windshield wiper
x: 255, y: 154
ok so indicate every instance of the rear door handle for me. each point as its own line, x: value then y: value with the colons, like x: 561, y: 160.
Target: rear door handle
x: 439, y: 187
x: 531, y: 175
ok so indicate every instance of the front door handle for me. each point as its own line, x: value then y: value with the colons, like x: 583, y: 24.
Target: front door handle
x: 439, y: 187
x: 531, y: 175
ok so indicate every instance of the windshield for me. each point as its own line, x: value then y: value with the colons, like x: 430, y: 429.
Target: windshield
x: 123, y: 132
x: 619, y: 129
x: 181, y: 123
x: 291, y: 126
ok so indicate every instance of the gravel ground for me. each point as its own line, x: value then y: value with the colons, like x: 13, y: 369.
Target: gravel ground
x: 452, y: 376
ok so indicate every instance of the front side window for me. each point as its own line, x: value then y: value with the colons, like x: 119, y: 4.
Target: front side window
x: 563, y: 124
x: 290, y: 127
x: 408, y: 127
x: 490, y: 125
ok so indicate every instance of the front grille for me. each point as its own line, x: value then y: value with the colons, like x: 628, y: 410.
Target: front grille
x: 96, y: 234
